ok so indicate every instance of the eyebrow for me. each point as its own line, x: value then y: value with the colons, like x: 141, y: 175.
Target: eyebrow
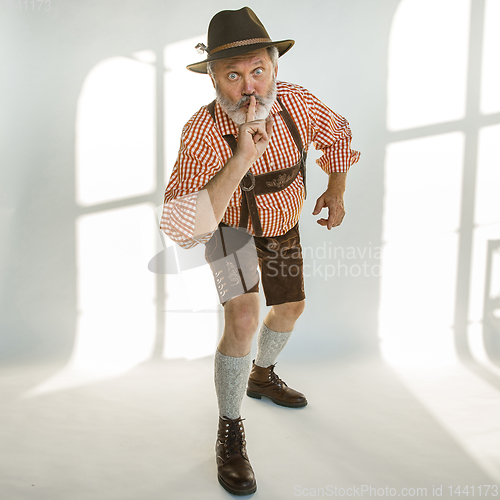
x: 233, y: 65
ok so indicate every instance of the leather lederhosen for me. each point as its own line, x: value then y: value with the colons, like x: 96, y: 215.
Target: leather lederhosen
x: 270, y: 182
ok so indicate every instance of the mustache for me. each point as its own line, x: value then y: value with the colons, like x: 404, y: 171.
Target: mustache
x: 237, y: 112
x: 246, y: 100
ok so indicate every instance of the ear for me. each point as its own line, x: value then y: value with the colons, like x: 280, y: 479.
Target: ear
x: 276, y: 71
x: 212, y: 79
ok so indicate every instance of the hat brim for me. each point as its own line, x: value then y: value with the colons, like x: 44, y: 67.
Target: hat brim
x: 201, y: 67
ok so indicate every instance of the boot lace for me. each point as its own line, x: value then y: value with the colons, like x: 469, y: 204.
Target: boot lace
x: 233, y: 437
x: 273, y: 377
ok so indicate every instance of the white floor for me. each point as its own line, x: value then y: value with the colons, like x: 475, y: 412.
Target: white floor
x: 150, y: 434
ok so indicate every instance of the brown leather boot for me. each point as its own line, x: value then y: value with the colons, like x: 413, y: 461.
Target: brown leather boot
x: 234, y: 471
x: 264, y: 382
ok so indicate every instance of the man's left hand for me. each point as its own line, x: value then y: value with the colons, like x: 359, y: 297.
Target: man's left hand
x: 335, y: 204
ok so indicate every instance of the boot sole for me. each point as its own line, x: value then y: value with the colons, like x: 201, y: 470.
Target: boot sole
x: 257, y: 395
x: 236, y: 492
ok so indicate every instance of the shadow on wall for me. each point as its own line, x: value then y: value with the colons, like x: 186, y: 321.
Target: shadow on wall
x: 441, y: 217
x: 81, y: 238
x: 68, y: 233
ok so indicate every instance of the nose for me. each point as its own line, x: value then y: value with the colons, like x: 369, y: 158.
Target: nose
x: 248, y: 87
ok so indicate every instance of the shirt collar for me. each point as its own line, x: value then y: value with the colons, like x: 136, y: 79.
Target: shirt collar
x: 227, y: 126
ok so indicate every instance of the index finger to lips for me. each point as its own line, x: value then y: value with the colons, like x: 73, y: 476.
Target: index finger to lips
x: 251, y: 109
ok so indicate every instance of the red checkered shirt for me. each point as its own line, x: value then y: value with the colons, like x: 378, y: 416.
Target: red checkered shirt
x: 204, y: 151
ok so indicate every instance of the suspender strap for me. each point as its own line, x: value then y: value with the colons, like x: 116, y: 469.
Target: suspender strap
x: 211, y: 109
x: 298, y: 140
x: 291, y: 125
x: 230, y: 139
x: 270, y: 182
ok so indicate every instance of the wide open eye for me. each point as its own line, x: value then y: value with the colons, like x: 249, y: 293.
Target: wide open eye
x: 259, y: 71
x: 232, y: 76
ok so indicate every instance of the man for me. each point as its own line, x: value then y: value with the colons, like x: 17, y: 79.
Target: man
x: 238, y: 186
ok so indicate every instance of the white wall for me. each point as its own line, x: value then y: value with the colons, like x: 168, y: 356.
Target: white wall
x: 341, y: 54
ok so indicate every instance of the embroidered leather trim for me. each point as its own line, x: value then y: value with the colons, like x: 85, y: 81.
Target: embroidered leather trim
x: 280, y: 181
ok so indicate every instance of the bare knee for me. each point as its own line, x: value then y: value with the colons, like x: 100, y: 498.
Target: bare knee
x: 241, y: 316
x: 290, y: 310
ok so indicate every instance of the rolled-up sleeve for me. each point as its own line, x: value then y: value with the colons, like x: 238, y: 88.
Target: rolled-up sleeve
x: 332, y: 135
x: 178, y: 219
x: 197, y: 162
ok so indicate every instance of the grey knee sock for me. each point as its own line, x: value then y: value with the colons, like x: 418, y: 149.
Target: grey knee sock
x: 231, y: 376
x: 269, y: 345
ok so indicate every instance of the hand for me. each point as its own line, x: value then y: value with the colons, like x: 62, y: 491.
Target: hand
x: 335, y: 204
x: 254, y: 135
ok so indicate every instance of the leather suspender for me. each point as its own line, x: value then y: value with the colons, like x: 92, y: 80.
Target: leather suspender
x: 270, y: 182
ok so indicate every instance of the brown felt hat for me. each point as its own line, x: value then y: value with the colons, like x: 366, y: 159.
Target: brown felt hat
x: 233, y: 33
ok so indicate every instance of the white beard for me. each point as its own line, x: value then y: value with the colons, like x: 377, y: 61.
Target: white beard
x: 238, y: 112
